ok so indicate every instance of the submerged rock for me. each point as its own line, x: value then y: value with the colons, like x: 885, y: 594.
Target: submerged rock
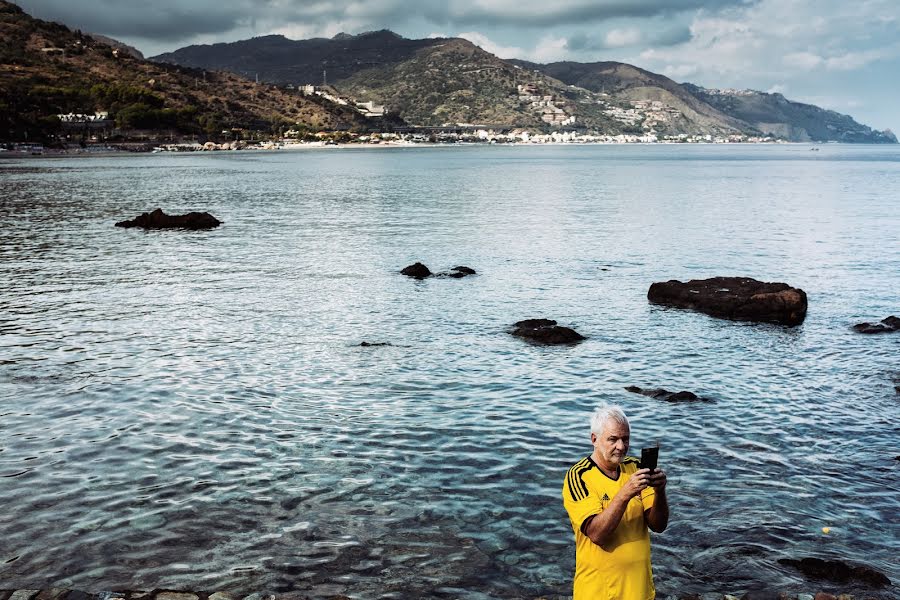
x: 546, y: 331
x: 886, y: 325
x: 420, y: 271
x: 457, y: 272
x: 374, y: 344
x: 835, y: 570
x: 739, y: 298
x: 160, y: 220
x: 666, y: 395
x: 416, y: 271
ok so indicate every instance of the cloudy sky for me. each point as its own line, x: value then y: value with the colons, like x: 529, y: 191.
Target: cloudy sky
x: 836, y: 54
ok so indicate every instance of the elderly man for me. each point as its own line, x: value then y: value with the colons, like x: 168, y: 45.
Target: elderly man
x: 611, y: 503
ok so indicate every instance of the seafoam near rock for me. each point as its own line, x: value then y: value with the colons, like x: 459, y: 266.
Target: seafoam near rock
x: 886, y: 325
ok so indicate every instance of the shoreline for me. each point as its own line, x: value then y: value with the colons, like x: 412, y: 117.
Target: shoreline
x: 309, y: 594
x: 109, y: 151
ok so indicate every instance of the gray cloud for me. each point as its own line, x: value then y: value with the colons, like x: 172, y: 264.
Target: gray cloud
x: 671, y: 36
x: 574, y: 12
x: 167, y: 20
x: 171, y: 20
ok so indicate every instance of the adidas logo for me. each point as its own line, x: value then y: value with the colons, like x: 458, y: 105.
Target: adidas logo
x: 605, y: 498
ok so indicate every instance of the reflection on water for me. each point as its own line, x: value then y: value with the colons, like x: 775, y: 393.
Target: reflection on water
x: 192, y: 409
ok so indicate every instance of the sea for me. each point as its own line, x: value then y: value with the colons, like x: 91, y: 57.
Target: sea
x: 194, y: 409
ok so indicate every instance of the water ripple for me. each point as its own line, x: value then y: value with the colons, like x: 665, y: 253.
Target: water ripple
x: 195, y: 408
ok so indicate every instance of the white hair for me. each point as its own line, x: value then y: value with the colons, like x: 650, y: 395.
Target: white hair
x: 602, y: 414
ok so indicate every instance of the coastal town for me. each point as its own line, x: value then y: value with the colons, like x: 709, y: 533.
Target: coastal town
x: 96, y: 130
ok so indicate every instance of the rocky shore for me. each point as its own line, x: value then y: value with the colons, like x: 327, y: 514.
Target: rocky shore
x: 160, y: 594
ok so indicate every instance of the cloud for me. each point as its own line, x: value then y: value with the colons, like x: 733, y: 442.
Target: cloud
x: 178, y: 19
x: 486, y: 43
x: 618, y: 38
x: 773, y: 40
x: 162, y: 19
x: 547, y: 49
x: 680, y: 72
x: 645, y: 36
x: 803, y: 60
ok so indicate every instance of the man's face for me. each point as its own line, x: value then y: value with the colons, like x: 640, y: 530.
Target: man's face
x: 612, y: 443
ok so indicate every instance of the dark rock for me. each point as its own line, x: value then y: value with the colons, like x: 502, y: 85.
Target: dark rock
x: 835, y: 570
x: 160, y: 220
x: 534, y: 323
x: 761, y: 594
x: 546, y: 331
x: 739, y: 298
x: 666, y: 395
x: 464, y: 270
x: 416, y: 271
x: 457, y: 272
x: 887, y: 325
x: 374, y: 344
x: 53, y: 594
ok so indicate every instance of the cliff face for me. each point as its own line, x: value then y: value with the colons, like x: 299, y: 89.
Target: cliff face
x: 794, y: 121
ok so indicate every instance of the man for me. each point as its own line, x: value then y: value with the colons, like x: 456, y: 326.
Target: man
x: 611, y: 503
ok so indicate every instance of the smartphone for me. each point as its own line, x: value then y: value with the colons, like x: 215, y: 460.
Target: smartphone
x: 649, y: 456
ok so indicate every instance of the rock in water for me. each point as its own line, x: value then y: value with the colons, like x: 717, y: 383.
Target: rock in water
x: 835, y: 570
x: 887, y: 325
x: 457, y: 272
x: 416, y: 271
x: 160, y: 220
x: 666, y: 395
x: 546, y: 331
x: 739, y: 298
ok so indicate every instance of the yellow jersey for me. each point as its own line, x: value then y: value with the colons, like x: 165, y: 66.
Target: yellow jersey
x: 620, y: 570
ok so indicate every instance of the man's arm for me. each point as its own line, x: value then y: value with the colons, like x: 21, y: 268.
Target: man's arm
x: 657, y: 516
x: 600, y: 527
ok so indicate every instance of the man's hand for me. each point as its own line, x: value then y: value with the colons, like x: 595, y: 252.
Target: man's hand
x: 636, y: 484
x: 657, y: 479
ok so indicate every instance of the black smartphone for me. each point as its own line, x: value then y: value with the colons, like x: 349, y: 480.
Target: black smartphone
x: 649, y: 456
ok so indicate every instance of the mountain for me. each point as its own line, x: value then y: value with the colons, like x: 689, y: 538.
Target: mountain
x: 440, y: 81
x: 630, y: 83
x: 775, y: 114
x: 47, y: 69
x: 447, y: 80
x: 276, y: 59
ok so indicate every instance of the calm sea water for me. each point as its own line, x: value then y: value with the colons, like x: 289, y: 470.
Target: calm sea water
x: 193, y: 410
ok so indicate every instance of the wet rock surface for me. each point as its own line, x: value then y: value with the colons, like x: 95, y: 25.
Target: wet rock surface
x: 546, y: 331
x: 374, y: 344
x: 667, y: 396
x: 886, y: 325
x: 835, y: 570
x: 420, y: 271
x: 416, y: 271
x: 160, y: 220
x: 457, y: 272
x: 737, y: 298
